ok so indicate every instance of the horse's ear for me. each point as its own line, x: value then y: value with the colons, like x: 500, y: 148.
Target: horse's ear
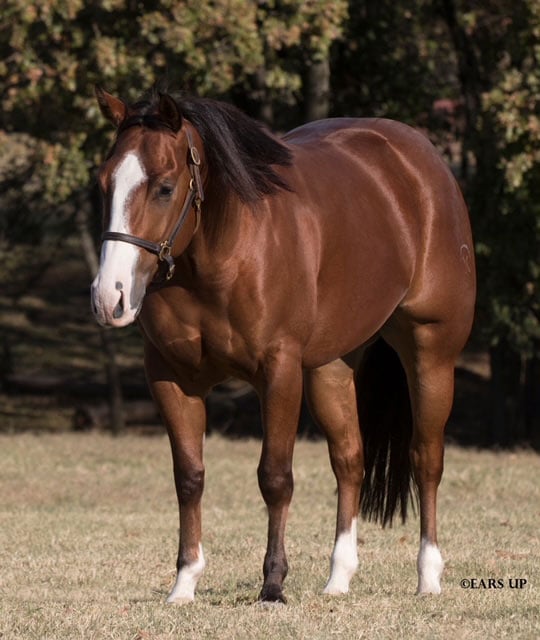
x: 169, y: 112
x: 112, y: 108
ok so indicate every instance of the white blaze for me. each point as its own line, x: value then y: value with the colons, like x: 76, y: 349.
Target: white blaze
x: 119, y: 259
x: 344, y: 562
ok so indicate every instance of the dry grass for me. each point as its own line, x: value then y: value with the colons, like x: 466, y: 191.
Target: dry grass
x: 88, y: 531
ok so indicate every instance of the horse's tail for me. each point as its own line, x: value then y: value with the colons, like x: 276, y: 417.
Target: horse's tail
x: 385, y: 416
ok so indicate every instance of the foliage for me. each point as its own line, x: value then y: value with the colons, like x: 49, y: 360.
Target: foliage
x: 298, y: 30
x: 505, y: 190
x: 387, y: 58
x: 394, y: 61
x: 53, y: 51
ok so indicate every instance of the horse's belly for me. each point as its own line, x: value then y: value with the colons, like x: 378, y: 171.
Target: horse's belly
x: 346, y: 324
x: 361, y: 279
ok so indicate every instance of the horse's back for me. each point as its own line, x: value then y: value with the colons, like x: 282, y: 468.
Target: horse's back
x: 361, y: 133
x: 395, y: 181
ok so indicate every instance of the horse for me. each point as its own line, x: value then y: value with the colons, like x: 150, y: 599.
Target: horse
x: 336, y: 261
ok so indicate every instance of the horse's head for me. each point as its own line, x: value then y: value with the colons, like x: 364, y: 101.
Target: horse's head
x: 151, y: 191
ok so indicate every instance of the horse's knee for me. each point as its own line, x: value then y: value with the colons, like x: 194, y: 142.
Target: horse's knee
x: 348, y: 466
x: 190, y: 484
x: 276, y: 485
x: 427, y: 464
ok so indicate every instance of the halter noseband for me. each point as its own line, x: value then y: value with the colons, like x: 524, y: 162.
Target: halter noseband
x: 194, y: 197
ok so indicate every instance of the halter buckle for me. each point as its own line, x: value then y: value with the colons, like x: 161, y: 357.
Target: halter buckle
x: 165, y: 250
x: 164, y: 255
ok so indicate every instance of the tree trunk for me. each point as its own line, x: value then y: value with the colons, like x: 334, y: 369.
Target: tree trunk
x: 532, y: 402
x: 96, y: 416
x: 506, y: 396
x: 116, y: 405
x: 317, y: 90
x: 468, y: 73
x: 265, y: 109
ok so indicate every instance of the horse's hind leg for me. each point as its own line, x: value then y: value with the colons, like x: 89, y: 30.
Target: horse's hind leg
x: 331, y: 395
x: 428, y: 358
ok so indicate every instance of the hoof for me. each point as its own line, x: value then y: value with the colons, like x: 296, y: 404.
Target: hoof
x: 272, y: 594
x: 179, y: 600
x: 335, y: 590
x: 434, y: 590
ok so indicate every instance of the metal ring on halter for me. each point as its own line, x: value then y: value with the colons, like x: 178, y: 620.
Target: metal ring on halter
x: 195, y: 157
x: 165, y: 250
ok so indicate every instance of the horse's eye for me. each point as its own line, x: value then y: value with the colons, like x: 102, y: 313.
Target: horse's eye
x: 165, y: 191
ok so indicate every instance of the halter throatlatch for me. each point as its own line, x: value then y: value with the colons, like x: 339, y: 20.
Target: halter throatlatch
x: 194, y: 198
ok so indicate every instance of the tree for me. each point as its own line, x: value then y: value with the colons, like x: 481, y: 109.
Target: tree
x: 54, y: 51
x: 498, y: 51
x: 393, y: 61
x: 287, y: 61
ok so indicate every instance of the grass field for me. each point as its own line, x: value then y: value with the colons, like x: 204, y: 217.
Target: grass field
x: 88, y: 535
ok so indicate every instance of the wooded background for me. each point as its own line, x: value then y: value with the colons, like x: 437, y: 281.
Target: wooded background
x: 465, y: 71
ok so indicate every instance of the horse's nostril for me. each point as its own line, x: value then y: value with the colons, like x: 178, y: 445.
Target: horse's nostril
x: 119, y: 309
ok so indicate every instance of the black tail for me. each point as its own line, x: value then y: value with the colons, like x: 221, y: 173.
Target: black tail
x: 386, y: 423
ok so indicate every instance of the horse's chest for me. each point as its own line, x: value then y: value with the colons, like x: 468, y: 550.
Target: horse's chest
x: 198, y: 340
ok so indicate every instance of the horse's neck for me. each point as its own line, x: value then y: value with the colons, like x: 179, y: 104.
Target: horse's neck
x: 213, y: 251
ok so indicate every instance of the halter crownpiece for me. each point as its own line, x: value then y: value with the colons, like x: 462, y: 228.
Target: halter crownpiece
x: 194, y: 198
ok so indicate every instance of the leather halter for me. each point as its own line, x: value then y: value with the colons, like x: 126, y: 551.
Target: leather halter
x: 194, y: 198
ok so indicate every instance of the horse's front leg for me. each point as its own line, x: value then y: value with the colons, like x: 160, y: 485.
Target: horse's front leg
x: 185, y: 418
x: 281, y: 396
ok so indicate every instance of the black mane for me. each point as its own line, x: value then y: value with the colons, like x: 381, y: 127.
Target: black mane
x: 239, y: 150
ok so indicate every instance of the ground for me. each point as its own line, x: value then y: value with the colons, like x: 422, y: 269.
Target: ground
x: 88, y: 522
x: 88, y: 538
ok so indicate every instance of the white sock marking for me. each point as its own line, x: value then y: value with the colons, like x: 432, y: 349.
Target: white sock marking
x: 186, y: 580
x: 430, y: 567
x: 344, y: 562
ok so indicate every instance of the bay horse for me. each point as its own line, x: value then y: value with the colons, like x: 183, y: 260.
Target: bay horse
x: 336, y: 261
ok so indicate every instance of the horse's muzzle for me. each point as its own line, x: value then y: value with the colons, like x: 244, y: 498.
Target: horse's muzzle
x: 111, y: 307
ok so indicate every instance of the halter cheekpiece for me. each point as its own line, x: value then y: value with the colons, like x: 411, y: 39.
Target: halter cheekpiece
x: 194, y: 198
